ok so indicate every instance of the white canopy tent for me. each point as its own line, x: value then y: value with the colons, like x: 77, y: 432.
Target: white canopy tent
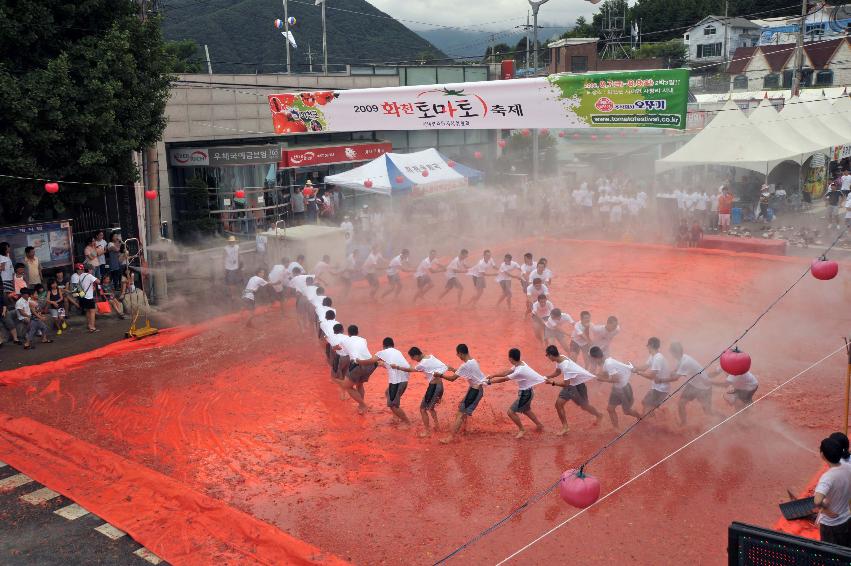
x: 769, y: 122
x: 732, y: 140
x: 797, y: 116
x: 833, y: 119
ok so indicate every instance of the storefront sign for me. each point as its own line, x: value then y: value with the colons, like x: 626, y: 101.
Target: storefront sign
x: 841, y: 152
x: 310, y: 157
x: 653, y: 99
x: 224, y: 156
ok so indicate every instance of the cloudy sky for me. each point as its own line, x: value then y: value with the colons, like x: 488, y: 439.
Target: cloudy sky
x: 463, y: 13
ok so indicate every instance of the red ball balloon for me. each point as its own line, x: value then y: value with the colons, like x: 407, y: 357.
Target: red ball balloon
x: 735, y: 362
x: 368, y: 183
x: 150, y: 195
x: 561, y: 134
x: 501, y: 143
x: 425, y: 172
x: 525, y: 132
x: 576, y: 136
x: 239, y: 193
x: 824, y: 269
x: 399, y: 179
x: 578, y: 489
x: 544, y: 131
x: 51, y: 188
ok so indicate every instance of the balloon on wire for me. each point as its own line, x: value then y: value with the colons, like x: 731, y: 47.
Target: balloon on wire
x: 823, y: 269
x: 239, y: 193
x: 51, y: 188
x: 150, y: 195
x: 735, y: 362
x: 579, y: 489
x: 279, y: 24
x: 291, y: 21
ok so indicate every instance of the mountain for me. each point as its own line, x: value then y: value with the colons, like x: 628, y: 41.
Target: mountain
x: 472, y: 44
x: 242, y: 38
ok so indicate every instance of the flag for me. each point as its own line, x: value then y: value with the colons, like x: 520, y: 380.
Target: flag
x: 288, y: 35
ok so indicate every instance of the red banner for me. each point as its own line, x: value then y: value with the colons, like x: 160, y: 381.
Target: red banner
x: 312, y: 156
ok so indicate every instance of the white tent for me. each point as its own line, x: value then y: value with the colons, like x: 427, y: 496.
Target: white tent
x: 797, y: 116
x: 730, y: 139
x: 769, y: 122
x: 833, y: 119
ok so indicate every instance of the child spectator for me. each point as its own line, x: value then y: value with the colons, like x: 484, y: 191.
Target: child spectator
x: 107, y: 293
x: 56, y: 306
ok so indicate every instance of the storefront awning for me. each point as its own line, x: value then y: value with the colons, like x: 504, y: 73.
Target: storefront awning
x: 332, y: 154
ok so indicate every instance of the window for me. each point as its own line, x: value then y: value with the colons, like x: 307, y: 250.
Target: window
x: 578, y: 63
x: 740, y: 82
x: 771, y: 81
x: 824, y: 78
x: 686, y: 37
x: 709, y: 50
x: 558, y: 57
x: 789, y: 76
x: 709, y: 30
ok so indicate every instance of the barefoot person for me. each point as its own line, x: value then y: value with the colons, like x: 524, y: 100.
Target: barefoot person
x: 455, y: 268
x: 557, y: 328
x: 508, y: 270
x: 540, y: 313
x: 698, y: 389
x: 423, y: 274
x: 360, y: 367
x: 255, y: 283
x: 526, y: 270
x: 656, y: 370
x: 434, y: 371
x: 397, y: 380
x: 618, y: 374
x: 580, y: 340
x: 479, y: 272
x: 470, y: 371
x: 572, y: 382
x: 394, y: 268
x: 370, y: 267
x: 602, y: 336
x: 526, y: 378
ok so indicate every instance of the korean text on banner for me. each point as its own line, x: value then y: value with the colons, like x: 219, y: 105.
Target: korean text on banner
x: 654, y: 99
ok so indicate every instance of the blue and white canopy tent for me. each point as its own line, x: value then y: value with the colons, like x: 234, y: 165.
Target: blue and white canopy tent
x: 420, y: 173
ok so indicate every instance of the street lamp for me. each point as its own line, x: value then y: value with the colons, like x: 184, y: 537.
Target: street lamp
x: 535, y: 4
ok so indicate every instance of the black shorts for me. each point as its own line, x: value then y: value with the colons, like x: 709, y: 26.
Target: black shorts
x: 470, y: 401
x: 87, y: 304
x: 394, y: 393
x: 423, y: 280
x: 453, y: 283
x: 341, y: 365
x: 433, y: 395
x: 394, y: 279
x: 360, y: 374
x: 479, y: 282
x: 233, y: 276
x: 524, y: 401
x: 576, y: 393
x: 745, y: 397
x: 248, y: 303
x: 372, y: 279
x: 654, y: 398
x: 506, y: 287
x: 703, y: 396
x: 622, y: 396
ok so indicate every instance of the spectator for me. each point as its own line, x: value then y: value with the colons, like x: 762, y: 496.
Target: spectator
x: 832, y: 494
x: 113, y: 255
x: 683, y: 234
x: 101, y: 244
x: 56, y: 306
x: 696, y: 234
x: 233, y: 275
x: 66, y: 287
x: 88, y: 284
x: 297, y: 205
x: 7, y: 267
x: 347, y: 227
x: 725, y: 209
x: 132, y: 298
x: 106, y: 291
x: 7, y: 320
x: 39, y: 297
x: 93, y: 256
x: 29, y: 323
x: 33, y: 265
x: 19, y: 281
x: 310, y: 201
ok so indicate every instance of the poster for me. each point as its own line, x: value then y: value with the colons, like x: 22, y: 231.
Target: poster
x: 649, y: 99
x: 51, y: 240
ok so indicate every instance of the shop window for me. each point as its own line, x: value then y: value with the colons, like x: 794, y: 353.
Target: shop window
x: 824, y: 78
x: 740, y: 82
x: 579, y: 63
x: 771, y: 81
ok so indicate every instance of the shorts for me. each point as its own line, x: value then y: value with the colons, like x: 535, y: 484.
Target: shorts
x: 703, y: 396
x: 654, y: 398
x: 836, y: 534
x: 360, y: 374
x: 622, y: 396
x: 832, y: 210
x: 576, y: 393
x: 506, y: 287
x: 233, y: 277
x: 433, y: 395
x: 342, y: 366
x: 87, y: 304
x: 372, y: 280
x: 554, y: 333
x: 523, y: 403
x: 423, y: 280
x: 453, y: 283
x: 470, y: 401
x: 56, y: 313
x: 723, y: 219
x: 479, y: 282
x: 334, y: 361
x: 394, y: 279
x: 248, y: 303
x: 745, y: 397
x: 394, y: 393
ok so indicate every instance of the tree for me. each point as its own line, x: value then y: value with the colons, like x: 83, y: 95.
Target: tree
x: 673, y: 51
x: 500, y: 51
x: 581, y: 29
x: 82, y: 85
x: 185, y: 56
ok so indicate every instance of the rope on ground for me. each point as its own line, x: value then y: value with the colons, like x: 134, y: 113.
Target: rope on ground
x: 669, y: 456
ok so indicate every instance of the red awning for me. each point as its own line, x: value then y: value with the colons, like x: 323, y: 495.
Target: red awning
x: 311, y: 156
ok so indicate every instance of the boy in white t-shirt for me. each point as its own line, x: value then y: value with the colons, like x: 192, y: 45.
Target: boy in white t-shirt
x: 526, y: 378
x: 618, y: 374
x: 370, y: 266
x: 656, y: 370
x: 580, y: 339
x: 255, y: 283
x: 455, y: 268
x: 470, y: 371
x: 396, y: 266
x: 423, y: 274
x: 541, y: 310
x: 478, y: 272
x: 535, y: 290
x: 434, y: 370
x: 572, y: 382
x: 397, y: 380
x: 698, y: 389
x: 361, y: 366
x: 526, y: 270
x: 508, y: 270
x: 555, y: 329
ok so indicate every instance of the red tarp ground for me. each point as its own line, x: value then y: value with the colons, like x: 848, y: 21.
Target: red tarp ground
x: 752, y: 245
x: 235, y: 436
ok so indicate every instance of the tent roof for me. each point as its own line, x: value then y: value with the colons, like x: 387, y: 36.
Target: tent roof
x: 796, y: 113
x: 772, y: 125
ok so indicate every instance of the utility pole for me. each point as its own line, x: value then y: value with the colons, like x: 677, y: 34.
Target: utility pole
x: 287, y: 29
x: 324, y: 38
x: 726, y: 32
x: 493, y: 49
x: 536, y: 4
x: 209, y: 64
x: 527, y: 43
x: 799, y: 52
x: 309, y: 57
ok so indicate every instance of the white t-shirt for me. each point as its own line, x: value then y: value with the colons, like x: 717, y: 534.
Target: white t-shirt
x: 322, y: 309
x: 545, y: 277
x: 231, y: 257
x: 395, y: 265
x: 355, y: 347
x: 534, y: 292
x: 371, y: 262
x: 619, y: 370
x: 578, y: 335
x: 558, y: 324
x: 574, y: 373
x: 299, y: 282
x: 846, y: 182
x: 291, y: 267
x: 835, y: 485
x: 658, y: 363
x: 602, y: 338
x: 87, y: 284
x: 505, y: 269
x: 430, y: 365
x: 688, y: 367
x: 744, y: 382
x: 526, y: 269
x: 525, y: 377
x: 327, y: 327
x: 254, y: 283
x: 542, y: 311
x: 424, y: 268
x: 482, y: 267
x: 348, y: 228
x: 394, y: 356
x: 336, y: 339
x: 309, y: 293
x: 316, y: 300
x: 848, y: 207
x: 454, y: 268
x: 23, y: 305
x: 471, y: 371
x: 7, y: 273
x: 278, y: 277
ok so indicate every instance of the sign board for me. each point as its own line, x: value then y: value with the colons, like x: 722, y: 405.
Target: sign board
x: 653, y: 99
x: 224, y: 156
x: 841, y: 152
x: 312, y: 156
x: 52, y: 242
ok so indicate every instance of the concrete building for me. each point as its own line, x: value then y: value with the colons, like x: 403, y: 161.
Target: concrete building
x: 772, y: 66
x: 579, y: 55
x: 714, y: 39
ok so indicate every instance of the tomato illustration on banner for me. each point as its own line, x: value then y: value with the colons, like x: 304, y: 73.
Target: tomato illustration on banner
x: 648, y: 99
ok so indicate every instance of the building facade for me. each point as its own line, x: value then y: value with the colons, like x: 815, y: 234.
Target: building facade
x: 579, y: 55
x: 770, y: 67
x: 714, y: 39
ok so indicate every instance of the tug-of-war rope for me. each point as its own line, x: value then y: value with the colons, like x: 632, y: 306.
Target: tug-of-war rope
x: 540, y: 495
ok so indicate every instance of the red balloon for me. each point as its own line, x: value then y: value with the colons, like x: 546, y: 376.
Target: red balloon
x: 578, y: 489
x: 51, y: 188
x: 452, y: 163
x: 561, y: 134
x: 425, y: 172
x: 239, y: 193
x: 824, y: 269
x: 735, y: 362
x: 525, y: 132
x: 477, y: 154
x: 576, y: 136
x: 593, y: 137
x: 501, y: 143
x: 399, y: 179
x: 150, y: 195
x: 544, y: 131
x: 368, y: 183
